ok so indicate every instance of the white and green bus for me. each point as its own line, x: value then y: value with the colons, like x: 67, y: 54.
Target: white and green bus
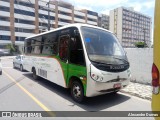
x: 87, y: 59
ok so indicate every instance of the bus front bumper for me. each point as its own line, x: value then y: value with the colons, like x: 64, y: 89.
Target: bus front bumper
x: 99, y: 88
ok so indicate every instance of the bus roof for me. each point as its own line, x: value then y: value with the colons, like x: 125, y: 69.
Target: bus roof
x: 66, y: 26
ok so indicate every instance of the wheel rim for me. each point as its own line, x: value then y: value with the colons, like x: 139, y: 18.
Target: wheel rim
x: 77, y: 91
x: 34, y: 74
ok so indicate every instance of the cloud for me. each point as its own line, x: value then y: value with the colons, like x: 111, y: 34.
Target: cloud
x: 84, y: 7
x: 141, y: 5
x: 104, y: 6
x: 106, y: 11
x: 97, y: 5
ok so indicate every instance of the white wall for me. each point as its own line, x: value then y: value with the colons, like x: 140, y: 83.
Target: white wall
x: 141, y: 60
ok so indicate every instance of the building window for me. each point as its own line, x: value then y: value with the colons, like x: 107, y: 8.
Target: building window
x: 46, y: 16
x: 3, y: 8
x: 20, y: 38
x: 4, y: 37
x: 24, y: 21
x: 23, y: 12
x: 24, y: 30
x: 5, y: 28
x: 4, y: 18
x: 27, y: 4
x: 92, y: 13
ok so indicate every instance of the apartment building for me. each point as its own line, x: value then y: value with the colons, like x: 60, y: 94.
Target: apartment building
x: 103, y: 21
x: 130, y: 26
x: 23, y: 18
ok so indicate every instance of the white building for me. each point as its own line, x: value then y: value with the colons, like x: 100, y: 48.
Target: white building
x: 23, y: 18
x: 103, y: 21
x: 130, y: 26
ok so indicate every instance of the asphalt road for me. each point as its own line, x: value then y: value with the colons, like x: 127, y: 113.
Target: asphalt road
x: 19, y: 92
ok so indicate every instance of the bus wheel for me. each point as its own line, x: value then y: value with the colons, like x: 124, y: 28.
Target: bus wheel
x: 34, y: 75
x: 14, y: 65
x: 21, y: 68
x: 114, y: 93
x: 77, y: 91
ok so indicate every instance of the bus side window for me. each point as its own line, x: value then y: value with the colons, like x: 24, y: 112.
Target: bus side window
x: 76, y: 51
x: 63, y: 47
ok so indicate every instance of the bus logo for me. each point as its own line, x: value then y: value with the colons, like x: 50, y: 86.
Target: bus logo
x: 117, y: 67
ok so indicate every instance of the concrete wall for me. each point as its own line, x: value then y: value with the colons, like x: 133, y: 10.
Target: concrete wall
x: 141, y: 60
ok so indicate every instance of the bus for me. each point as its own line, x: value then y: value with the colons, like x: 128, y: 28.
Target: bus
x: 87, y: 59
x: 156, y: 60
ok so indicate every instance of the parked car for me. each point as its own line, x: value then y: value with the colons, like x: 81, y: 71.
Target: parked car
x: 18, y: 62
x: 0, y: 68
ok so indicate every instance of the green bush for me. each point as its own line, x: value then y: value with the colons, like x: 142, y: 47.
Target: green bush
x: 141, y: 45
x: 13, y: 48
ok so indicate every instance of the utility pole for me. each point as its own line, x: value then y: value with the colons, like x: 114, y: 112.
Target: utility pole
x: 144, y: 30
x: 48, y: 3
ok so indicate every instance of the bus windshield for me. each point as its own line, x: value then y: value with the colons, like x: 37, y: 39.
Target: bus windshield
x: 103, y: 46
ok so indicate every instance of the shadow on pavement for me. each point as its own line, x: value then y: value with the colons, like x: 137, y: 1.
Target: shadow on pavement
x: 91, y: 104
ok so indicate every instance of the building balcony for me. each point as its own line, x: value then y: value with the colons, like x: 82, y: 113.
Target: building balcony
x: 6, y: 14
x: 64, y: 17
x: 22, y: 34
x: 4, y: 23
x: 44, y: 5
x: 8, y: 33
x: 79, y: 13
x: 25, y: 17
x: 63, y: 23
x: 92, y: 17
x: 92, y: 23
x: 26, y: 26
x: 64, y: 9
x: 79, y: 20
x: 46, y: 12
x: 7, y: 4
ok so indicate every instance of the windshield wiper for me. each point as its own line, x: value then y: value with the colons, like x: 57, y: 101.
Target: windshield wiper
x: 121, y: 59
x: 101, y: 63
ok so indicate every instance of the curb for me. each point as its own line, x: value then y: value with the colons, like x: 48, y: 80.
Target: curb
x: 137, y: 95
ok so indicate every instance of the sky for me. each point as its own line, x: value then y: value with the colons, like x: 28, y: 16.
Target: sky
x: 104, y: 6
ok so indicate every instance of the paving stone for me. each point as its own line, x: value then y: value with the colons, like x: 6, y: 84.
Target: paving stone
x: 139, y: 90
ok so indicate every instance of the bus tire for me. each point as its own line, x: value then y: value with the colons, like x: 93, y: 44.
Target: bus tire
x: 34, y: 74
x: 114, y: 93
x: 14, y: 65
x: 21, y: 68
x: 77, y: 91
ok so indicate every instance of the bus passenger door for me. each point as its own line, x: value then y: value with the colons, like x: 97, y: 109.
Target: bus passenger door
x: 63, y: 55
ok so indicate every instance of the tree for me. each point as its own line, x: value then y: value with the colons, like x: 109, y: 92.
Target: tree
x: 141, y: 45
x: 13, y: 48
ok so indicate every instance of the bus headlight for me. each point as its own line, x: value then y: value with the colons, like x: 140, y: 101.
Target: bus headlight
x: 96, y: 77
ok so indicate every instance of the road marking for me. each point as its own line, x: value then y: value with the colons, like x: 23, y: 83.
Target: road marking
x: 7, y: 67
x: 31, y: 96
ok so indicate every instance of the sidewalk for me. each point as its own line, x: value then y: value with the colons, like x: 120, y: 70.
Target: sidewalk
x: 7, y: 57
x: 139, y: 90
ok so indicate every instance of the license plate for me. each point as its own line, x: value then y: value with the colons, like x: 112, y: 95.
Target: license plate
x: 118, y: 85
